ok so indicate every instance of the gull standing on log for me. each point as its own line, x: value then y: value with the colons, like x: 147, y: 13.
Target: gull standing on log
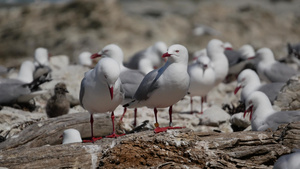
x: 164, y: 87
x: 130, y: 78
x: 101, y: 90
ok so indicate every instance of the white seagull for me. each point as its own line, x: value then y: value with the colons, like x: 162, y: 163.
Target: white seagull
x: 215, y: 51
x: 148, y: 59
x: 271, y: 70
x: 84, y: 59
x: 264, y: 117
x: 101, y: 90
x: 249, y: 81
x: 130, y: 78
x: 164, y: 87
x: 202, y: 79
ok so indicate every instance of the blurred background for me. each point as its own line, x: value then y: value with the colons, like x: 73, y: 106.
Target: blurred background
x: 68, y: 27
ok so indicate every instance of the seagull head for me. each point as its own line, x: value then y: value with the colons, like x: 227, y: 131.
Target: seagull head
x: 109, y: 71
x: 113, y: 51
x: 216, y: 46
x: 177, y: 53
x: 204, y: 62
x: 247, y: 52
x: 265, y: 55
x: 41, y: 57
x: 85, y: 59
x: 26, y: 72
x: 255, y: 100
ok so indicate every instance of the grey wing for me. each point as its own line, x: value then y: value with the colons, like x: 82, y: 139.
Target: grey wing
x: 233, y: 57
x: 271, y: 90
x: 41, y: 71
x: 131, y: 79
x: 81, y: 93
x: 278, y: 118
x: 147, y: 86
x: 134, y: 61
x: 280, y: 72
x: 10, y: 92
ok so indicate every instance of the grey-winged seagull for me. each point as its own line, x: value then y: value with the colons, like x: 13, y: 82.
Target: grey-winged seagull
x: 263, y: 116
x: 165, y: 86
x: 271, y: 70
x: 101, y: 90
x: 130, y: 78
x: 148, y: 59
x: 249, y: 82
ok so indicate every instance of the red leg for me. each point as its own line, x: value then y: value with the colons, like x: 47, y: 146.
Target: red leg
x: 92, y: 132
x: 113, y: 124
x: 125, y: 110
x: 202, y: 100
x: 155, y: 114
x: 191, y: 101
x: 135, y: 114
x: 158, y: 129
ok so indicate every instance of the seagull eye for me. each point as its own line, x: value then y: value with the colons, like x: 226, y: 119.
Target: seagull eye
x: 176, y: 51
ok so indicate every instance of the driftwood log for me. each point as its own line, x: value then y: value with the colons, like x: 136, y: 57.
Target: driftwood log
x: 172, y: 149
x: 49, y: 131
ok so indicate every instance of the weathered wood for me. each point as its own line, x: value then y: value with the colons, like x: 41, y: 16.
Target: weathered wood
x: 181, y: 148
x: 49, y: 131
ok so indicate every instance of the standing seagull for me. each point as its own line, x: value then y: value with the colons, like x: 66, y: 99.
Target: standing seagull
x: 271, y: 70
x: 164, y: 87
x: 215, y: 51
x: 263, y: 116
x: 130, y: 78
x: 58, y: 104
x: 101, y: 90
x: 202, y: 79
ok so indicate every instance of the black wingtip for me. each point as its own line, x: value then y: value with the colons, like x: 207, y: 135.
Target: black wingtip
x: 127, y: 104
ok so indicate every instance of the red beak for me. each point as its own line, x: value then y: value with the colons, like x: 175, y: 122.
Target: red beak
x: 228, y: 48
x: 111, y: 90
x: 252, y: 57
x: 96, y: 55
x: 237, y: 89
x: 250, y: 109
x: 166, y: 55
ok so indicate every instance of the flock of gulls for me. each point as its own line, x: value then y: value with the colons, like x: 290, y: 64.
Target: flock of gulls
x: 159, y: 77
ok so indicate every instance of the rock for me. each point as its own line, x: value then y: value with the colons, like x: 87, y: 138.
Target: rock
x: 59, y: 62
x: 239, y: 120
x: 289, y: 98
x: 214, y: 116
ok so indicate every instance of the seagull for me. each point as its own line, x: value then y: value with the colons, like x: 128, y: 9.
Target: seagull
x: 165, y: 86
x: 215, y: 51
x: 101, y: 90
x: 238, y: 59
x: 71, y: 136
x: 263, y: 116
x: 26, y: 72
x: 84, y: 59
x: 130, y: 78
x: 148, y: 59
x: 202, y: 79
x: 271, y: 70
x: 249, y: 81
x: 288, y: 161
x: 58, y: 104
x: 41, y: 62
x: 5, y: 70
